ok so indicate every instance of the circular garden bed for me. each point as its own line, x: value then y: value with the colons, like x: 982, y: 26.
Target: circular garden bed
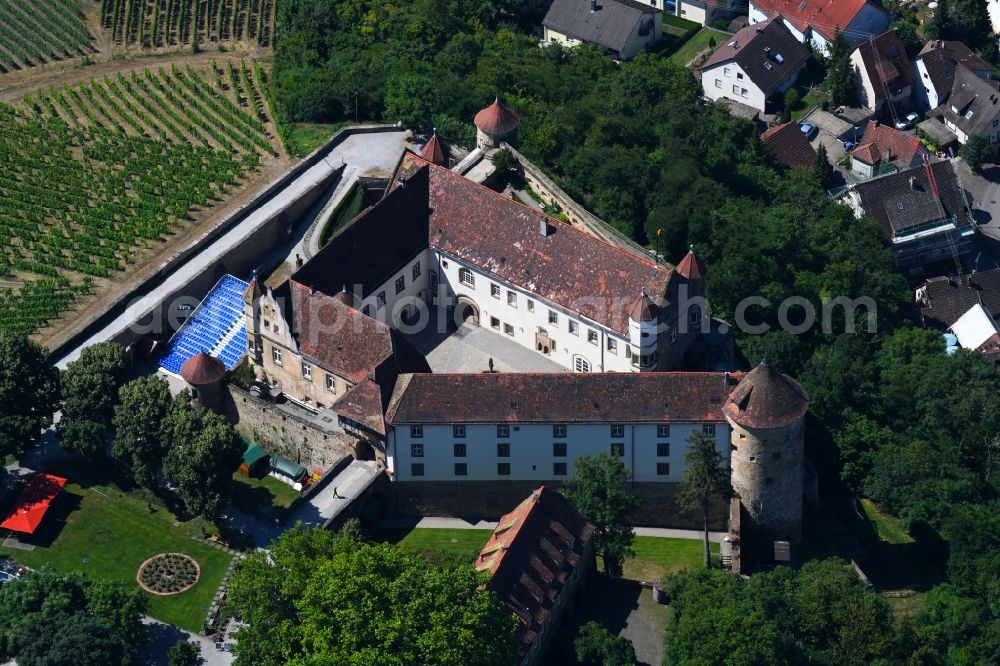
x: 168, y: 573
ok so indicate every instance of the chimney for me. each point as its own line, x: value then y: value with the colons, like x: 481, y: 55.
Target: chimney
x: 312, y: 290
x: 767, y: 50
x: 543, y: 227
x: 913, y: 183
x: 402, y: 183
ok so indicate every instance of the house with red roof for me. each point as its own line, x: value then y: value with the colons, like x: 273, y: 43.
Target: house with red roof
x: 883, y: 148
x: 817, y: 21
x: 882, y: 72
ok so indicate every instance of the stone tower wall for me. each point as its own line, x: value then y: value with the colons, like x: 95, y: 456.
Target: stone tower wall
x: 767, y: 471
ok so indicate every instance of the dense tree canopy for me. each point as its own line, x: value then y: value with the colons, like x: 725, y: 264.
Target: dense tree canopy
x: 320, y: 597
x: 29, y: 392
x: 143, y: 405
x: 89, y: 390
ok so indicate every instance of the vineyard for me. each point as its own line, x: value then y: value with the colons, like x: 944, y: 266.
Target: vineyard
x: 160, y: 23
x: 93, y: 173
x: 34, y: 33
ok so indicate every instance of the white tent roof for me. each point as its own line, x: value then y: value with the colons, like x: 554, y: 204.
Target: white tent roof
x: 974, y: 327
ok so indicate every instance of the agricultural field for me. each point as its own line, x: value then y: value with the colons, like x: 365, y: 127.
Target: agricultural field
x: 163, y: 23
x: 35, y: 33
x: 95, y: 175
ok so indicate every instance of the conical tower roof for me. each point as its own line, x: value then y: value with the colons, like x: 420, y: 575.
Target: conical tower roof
x: 253, y: 291
x: 202, y: 369
x: 497, y: 119
x: 691, y: 267
x: 765, y: 398
x: 644, y: 309
x: 433, y: 151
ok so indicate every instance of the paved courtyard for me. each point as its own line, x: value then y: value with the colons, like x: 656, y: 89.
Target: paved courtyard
x: 470, y: 348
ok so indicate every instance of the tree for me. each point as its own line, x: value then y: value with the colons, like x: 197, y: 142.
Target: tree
x: 503, y: 161
x: 185, y: 653
x: 976, y: 151
x: 29, y: 393
x: 90, y: 387
x: 48, y: 618
x: 599, y: 490
x: 596, y: 646
x: 840, y: 72
x: 203, y: 450
x: 143, y: 405
x: 320, y: 597
x: 792, y: 98
x: 705, y: 478
x: 822, y: 169
x: 410, y: 99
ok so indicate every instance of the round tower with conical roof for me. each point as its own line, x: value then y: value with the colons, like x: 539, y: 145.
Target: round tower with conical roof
x: 204, y: 376
x: 766, y: 412
x: 643, y: 332
x: 496, y: 124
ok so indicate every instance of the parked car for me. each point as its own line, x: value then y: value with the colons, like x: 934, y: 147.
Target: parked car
x: 907, y: 122
x: 809, y: 130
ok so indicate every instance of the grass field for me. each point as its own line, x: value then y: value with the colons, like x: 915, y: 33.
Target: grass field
x: 695, y: 45
x: 465, y: 544
x: 266, y: 492
x: 303, y: 138
x: 116, y: 536
x: 886, y: 526
x: 656, y: 556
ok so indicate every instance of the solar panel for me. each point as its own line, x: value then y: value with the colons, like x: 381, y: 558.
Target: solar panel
x: 216, y: 327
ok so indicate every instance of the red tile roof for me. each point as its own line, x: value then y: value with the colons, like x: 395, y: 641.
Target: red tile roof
x: 531, y: 556
x: 644, y: 309
x: 363, y: 404
x: 691, y: 267
x: 884, y: 143
x: 765, y: 398
x: 433, y: 151
x: 496, y: 119
x: 787, y: 144
x: 886, y: 64
x: 823, y: 16
x: 602, y: 397
x: 202, y: 369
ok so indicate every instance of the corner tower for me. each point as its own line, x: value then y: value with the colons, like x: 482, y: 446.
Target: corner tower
x: 766, y: 412
x: 643, y: 332
x: 496, y: 124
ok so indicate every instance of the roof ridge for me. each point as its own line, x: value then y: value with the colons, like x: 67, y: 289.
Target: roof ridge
x: 533, y: 500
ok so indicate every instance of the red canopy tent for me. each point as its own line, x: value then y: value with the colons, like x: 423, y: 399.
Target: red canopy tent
x: 33, y: 503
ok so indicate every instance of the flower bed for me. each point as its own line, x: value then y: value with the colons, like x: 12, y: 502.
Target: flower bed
x: 168, y: 573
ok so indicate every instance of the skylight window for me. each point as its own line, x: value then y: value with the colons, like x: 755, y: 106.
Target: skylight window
x: 768, y: 66
x: 780, y: 58
x: 968, y: 114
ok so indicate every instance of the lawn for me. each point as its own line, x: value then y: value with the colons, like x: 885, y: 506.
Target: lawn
x: 888, y: 528
x: 303, y: 138
x: 657, y: 556
x: 464, y: 544
x: 695, y: 45
x: 116, y: 534
x: 264, y: 495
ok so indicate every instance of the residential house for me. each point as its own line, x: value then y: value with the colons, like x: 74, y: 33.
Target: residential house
x: 882, y: 72
x: 994, y: 9
x: 788, y: 145
x: 977, y: 330
x: 942, y: 300
x: 757, y: 63
x: 885, y: 149
x: 924, y: 212
x: 705, y: 12
x: 623, y: 28
x: 539, y: 558
x: 935, y: 67
x: 817, y: 21
x: 972, y: 108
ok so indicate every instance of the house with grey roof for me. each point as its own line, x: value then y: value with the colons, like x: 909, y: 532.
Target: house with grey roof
x: 935, y: 68
x: 623, y: 28
x: 759, y: 62
x: 973, y: 107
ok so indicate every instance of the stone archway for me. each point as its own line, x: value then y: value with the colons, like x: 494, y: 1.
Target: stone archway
x: 466, y: 310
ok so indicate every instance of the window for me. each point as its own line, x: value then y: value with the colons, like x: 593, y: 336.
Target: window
x: 495, y: 323
x: 663, y: 430
x: 558, y: 431
x: 458, y: 431
x: 276, y: 355
x: 495, y: 290
x: 465, y: 276
x: 503, y: 450
x: 618, y: 449
x: 307, y: 371
x: 461, y: 469
x: 380, y: 298
x: 612, y: 345
x: 417, y: 469
x: 553, y: 317
x: 663, y: 449
x: 580, y: 364
x: 459, y: 450
x: 718, y: 83
x: 508, y: 329
x: 267, y: 325
x: 250, y: 345
x: 511, y: 299
x: 503, y: 469
x: 617, y: 431
x: 416, y: 270
x: 694, y: 315
x: 503, y: 431
x: 673, y: 335
x: 331, y: 383
x: 574, y: 328
x: 592, y: 337
x: 708, y: 428
x: 662, y: 469
x: 725, y: 70
x: 531, y: 303
x: 400, y: 284
x: 416, y: 432
x: 739, y: 76
x: 367, y: 310
x: 276, y: 328
x: 736, y: 90
x: 417, y: 450
x: 743, y: 92
x: 559, y: 469
x: 558, y: 449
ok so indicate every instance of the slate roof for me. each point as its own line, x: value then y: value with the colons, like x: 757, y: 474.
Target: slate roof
x: 886, y: 64
x: 823, y: 16
x: 655, y: 397
x: 531, y: 555
x: 946, y: 299
x: 974, y: 103
x: 767, y: 52
x: 882, y: 143
x: 610, y: 26
x: 941, y: 57
x: 788, y: 145
x: 900, y: 208
x: 765, y: 398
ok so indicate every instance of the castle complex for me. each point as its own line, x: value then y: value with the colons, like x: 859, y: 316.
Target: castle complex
x: 439, y: 250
